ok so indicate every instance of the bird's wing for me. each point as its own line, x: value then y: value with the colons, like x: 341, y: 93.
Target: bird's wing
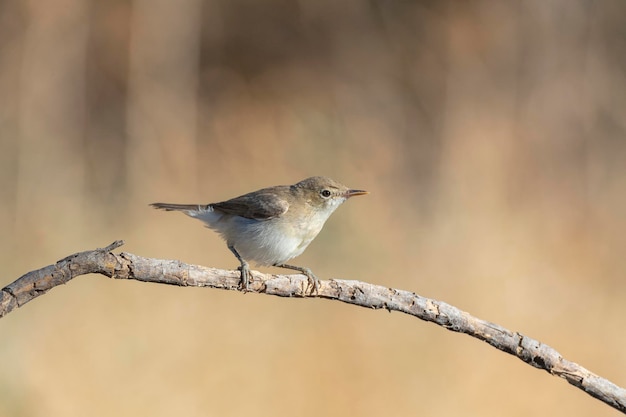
x: 260, y: 206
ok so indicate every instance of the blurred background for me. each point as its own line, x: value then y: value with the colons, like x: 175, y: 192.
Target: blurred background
x: 491, y: 136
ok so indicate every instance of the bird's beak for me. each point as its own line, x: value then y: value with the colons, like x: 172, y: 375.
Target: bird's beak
x: 352, y: 193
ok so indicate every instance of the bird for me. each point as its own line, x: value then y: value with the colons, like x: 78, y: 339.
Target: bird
x: 272, y: 225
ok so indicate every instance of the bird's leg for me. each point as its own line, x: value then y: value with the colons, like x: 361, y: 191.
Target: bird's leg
x: 313, y: 280
x: 244, y: 268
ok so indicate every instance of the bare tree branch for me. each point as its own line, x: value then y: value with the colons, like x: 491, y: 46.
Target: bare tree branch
x: 129, y: 266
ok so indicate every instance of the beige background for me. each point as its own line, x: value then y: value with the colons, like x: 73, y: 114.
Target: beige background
x: 490, y: 134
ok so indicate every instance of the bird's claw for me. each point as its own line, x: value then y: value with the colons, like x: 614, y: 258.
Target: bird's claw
x: 313, y: 283
x: 245, y: 277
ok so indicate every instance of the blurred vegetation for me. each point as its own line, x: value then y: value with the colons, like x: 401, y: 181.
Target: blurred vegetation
x: 490, y: 134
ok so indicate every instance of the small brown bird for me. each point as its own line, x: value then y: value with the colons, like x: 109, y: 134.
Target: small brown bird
x: 272, y: 225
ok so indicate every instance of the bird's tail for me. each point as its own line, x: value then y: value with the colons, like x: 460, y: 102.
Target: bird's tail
x: 180, y: 207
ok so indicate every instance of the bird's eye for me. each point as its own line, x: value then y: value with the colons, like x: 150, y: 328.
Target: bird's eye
x: 325, y: 193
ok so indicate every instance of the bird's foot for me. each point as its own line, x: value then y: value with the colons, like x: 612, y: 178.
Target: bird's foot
x: 314, y: 282
x: 245, y: 277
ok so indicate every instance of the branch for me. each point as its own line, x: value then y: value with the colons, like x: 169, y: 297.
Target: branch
x: 129, y: 266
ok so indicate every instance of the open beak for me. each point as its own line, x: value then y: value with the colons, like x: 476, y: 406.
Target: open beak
x: 352, y: 193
